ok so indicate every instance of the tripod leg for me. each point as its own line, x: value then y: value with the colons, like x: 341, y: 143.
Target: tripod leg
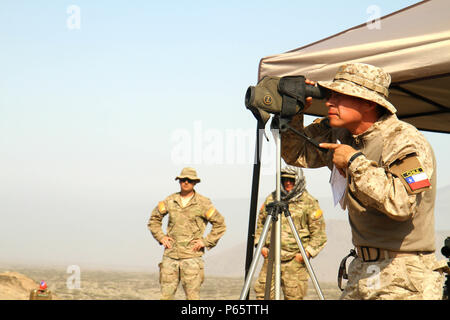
x: 305, y: 258
x: 268, y: 287
x: 277, y: 261
x: 277, y: 136
x: 256, y: 256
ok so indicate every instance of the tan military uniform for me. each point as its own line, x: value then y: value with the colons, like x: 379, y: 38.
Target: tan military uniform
x: 185, y: 224
x: 39, y: 294
x: 384, y: 212
x: 308, y: 219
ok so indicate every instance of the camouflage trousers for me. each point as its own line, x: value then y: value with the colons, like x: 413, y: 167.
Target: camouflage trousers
x: 413, y: 277
x: 294, y: 280
x: 189, y: 271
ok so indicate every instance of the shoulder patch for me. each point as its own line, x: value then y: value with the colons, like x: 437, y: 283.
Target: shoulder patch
x: 162, y: 207
x: 416, y: 178
x: 210, y: 212
x: 411, y: 174
x: 317, y: 214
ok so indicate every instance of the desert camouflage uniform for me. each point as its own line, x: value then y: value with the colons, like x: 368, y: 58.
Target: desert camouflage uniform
x: 383, y: 212
x: 308, y: 219
x: 185, y: 225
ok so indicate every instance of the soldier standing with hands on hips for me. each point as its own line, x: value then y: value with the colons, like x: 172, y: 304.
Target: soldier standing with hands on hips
x: 184, y: 244
x: 390, y: 171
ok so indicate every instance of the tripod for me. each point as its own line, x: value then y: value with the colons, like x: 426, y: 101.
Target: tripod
x: 275, y: 209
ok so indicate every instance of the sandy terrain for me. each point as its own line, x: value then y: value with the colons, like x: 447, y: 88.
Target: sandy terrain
x: 115, y: 285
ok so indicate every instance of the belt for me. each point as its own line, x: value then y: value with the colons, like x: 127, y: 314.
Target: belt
x: 368, y: 254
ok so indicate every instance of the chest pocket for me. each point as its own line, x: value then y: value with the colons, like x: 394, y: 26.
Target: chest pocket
x: 299, y: 216
x: 373, y: 151
x: 182, y: 220
x: 201, y: 221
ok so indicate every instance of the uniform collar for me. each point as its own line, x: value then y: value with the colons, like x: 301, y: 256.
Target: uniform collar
x: 192, y: 201
x: 382, y: 123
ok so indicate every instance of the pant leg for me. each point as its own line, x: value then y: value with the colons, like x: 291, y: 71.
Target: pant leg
x: 402, y: 278
x: 169, y: 277
x: 294, y: 280
x: 260, y: 284
x: 192, y: 275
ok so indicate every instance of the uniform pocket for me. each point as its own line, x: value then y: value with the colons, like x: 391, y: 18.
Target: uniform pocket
x: 168, y: 272
x: 295, y: 290
x: 193, y: 270
x: 352, y: 202
x: 415, y: 271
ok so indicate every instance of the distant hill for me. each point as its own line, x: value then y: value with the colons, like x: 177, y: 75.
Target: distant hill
x: 15, y: 286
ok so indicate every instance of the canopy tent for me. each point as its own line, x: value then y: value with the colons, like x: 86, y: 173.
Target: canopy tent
x: 412, y: 44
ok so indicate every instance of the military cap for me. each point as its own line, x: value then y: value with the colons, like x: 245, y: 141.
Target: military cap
x: 363, y: 81
x: 188, y: 173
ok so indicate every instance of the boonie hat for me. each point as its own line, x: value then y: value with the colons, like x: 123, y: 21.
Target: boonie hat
x: 188, y: 173
x: 363, y: 81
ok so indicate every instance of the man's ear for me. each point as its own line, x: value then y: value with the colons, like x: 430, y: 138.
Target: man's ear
x: 371, y: 108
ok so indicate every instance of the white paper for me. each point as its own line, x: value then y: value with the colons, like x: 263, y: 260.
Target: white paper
x: 338, y: 185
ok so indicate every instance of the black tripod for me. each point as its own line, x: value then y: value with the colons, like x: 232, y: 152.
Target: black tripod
x: 275, y: 209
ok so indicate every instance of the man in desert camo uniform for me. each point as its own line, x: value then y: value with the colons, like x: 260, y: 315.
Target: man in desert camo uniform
x: 390, y: 173
x: 184, y: 244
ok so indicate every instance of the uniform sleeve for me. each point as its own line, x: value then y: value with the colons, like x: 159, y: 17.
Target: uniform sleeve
x: 297, y: 151
x: 379, y: 188
x: 262, y: 216
x: 155, y: 221
x: 316, y: 225
x: 218, y: 226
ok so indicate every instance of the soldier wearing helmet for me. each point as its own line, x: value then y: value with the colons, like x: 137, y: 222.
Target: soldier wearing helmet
x: 308, y: 219
x: 185, y: 243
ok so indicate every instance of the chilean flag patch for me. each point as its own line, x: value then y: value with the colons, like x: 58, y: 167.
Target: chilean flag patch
x: 416, y: 178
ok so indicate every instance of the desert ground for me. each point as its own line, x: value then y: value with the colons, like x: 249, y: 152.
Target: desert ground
x: 16, y: 283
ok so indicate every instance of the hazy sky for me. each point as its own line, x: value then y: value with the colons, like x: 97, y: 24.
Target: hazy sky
x: 102, y: 103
